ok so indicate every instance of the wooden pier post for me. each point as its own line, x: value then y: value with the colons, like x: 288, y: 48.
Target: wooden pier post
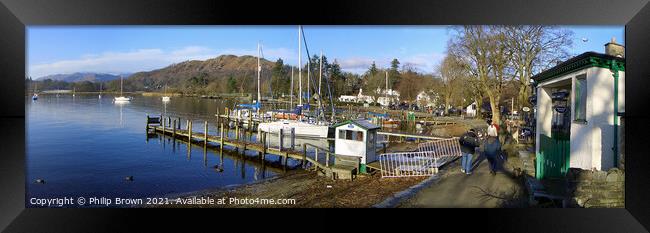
x: 280, y: 138
x: 327, y: 159
x: 146, y: 125
x: 179, y: 123
x: 218, y: 116
x: 304, y: 154
x: 316, y: 158
x: 163, y: 124
x: 286, y: 158
x: 236, y: 128
x: 189, y: 130
x: 221, y: 140
x: 174, y: 130
x: 264, y: 145
x: 250, y: 121
x: 293, y: 138
x: 205, y: 134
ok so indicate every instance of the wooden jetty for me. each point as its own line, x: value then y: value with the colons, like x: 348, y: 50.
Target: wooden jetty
x: 320, y: 159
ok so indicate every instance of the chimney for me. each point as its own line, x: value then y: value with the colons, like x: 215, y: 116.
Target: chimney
x: 614, y: 49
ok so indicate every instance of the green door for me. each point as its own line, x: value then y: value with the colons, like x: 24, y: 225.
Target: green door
x: 553, y: 157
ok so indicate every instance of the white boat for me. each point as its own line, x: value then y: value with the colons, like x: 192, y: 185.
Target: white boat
x: 301, y: 129
x: 35, y: 96
x: 165, y: 97
x: 121, y: 98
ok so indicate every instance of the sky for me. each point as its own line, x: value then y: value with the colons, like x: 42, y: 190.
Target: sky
x: 129, y: 49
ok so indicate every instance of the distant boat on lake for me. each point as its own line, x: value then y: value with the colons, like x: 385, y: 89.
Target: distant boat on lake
x: 35, y: 96
x: 165, y: 97
x: 121, y: 98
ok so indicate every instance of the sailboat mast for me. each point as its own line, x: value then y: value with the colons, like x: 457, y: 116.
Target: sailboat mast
x: 320, y: 73
x: 308, y: 82
x: 299, y: 69
x: 387, y: 102
x: 259, y: 68
x: 121, y: 83
x: 291, y: 89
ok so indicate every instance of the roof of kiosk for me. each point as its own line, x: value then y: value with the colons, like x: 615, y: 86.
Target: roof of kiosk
x: 364, y: 124
x: 582, y: 61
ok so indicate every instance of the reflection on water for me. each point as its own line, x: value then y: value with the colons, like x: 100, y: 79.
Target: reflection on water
x: 86, y: 146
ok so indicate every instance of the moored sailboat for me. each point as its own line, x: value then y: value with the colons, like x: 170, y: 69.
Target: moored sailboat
x: 303, y: 126
x: 165, y: 97
x: 35, y: 95
x: 121, y: 98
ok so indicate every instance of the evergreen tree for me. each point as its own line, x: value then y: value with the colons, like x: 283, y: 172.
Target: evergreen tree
x: 393, y: 73
x: 372, y: 71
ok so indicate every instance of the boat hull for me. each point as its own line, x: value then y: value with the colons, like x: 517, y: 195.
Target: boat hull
x: 122, y: 99
x: 301, y: 129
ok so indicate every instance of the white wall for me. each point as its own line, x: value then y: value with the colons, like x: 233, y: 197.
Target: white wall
x: 544, y: 115
x: 601, y: 114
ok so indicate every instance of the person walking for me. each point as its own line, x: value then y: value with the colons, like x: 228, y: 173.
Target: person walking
x: 468, y: 142
x: 492, y: 147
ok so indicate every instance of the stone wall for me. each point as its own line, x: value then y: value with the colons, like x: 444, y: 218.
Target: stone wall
x: 597, y: 189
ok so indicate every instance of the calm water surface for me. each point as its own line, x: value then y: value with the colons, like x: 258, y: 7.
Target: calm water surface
x: 84, y: 146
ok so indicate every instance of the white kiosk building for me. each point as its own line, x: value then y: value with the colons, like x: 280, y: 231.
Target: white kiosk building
x: 579, y: 106
x: 356, y: 138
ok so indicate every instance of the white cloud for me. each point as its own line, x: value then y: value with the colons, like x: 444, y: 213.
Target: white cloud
x: 424, y: 62
x: 153, y: 58
x: 141, y: 60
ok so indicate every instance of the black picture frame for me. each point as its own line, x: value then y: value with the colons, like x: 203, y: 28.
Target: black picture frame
x: 15, y: 15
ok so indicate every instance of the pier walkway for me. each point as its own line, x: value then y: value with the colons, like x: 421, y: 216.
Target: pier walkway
x: 320, y: 159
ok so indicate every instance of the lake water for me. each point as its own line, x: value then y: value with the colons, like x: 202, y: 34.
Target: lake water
x: 84, y: 146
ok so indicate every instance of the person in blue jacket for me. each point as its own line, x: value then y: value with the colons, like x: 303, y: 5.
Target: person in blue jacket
x: 492, y: 148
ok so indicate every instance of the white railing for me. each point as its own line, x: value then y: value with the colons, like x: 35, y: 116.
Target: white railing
x: 425, y: 162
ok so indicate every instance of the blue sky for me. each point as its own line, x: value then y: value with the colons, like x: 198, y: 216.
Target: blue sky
x: 127, y: 49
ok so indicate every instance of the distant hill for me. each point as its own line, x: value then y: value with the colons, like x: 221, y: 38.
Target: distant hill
x: 79, y: 77
x: 211, y: 74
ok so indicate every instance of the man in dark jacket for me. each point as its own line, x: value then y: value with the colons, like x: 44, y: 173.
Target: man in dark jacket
x: 492, y: 148
x: 468, y: 142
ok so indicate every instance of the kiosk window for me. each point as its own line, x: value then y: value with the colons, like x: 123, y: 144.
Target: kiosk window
x: 580, y: 96
x: 351, y: 135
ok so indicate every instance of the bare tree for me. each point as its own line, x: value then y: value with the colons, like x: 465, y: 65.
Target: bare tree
x: 485, y: 56
x: 452, y: 73
x: 535, y: 48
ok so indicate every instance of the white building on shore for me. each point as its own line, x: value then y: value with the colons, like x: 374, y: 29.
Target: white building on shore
x: 393, y: 97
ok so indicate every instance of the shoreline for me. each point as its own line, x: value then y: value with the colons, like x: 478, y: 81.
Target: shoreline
x: 306, y: 189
